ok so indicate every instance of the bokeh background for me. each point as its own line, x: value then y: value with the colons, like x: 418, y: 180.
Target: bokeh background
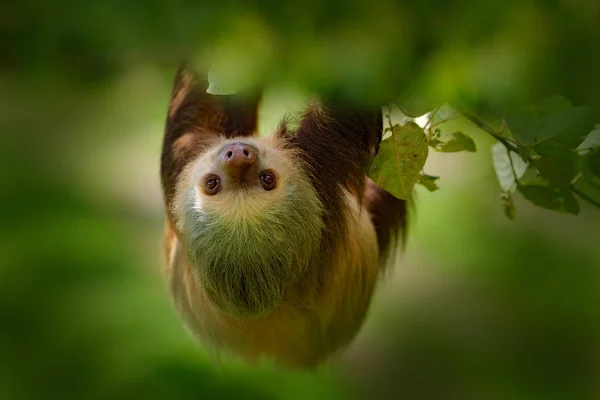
x: 478, y: 307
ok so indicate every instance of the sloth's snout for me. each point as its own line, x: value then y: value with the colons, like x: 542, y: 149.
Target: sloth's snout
x: 237, y: 160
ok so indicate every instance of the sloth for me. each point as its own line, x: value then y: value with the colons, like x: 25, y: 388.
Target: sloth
x: 273, y: 244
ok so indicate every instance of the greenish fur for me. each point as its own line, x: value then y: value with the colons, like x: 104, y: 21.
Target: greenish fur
x: 246, y: 262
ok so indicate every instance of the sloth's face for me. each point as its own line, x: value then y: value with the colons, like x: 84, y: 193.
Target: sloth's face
x: 245, y: 177
x: 250, y: 221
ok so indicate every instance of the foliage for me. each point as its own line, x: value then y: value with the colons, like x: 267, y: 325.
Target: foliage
x: 544, y: 152
x: 477, y: 309
x: 397, y: 166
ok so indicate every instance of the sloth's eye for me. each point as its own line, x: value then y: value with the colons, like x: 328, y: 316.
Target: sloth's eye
x: 267, y: 180
x: 211, y: 184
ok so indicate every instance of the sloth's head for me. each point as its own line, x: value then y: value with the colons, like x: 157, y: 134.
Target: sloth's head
x: 250, y: 221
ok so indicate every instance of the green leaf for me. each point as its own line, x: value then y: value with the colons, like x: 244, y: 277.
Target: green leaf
x: 451, y: 131
x: 555, y: 150
x: 593, y: 161
x: 588, y: 191
x: 522, y: 126
x: 551, y: 104
x: 553, y: 120
x: 505, y: 170
x: 435, y: 142
x: 458, y: 142
x: 397, y: 166
x: 508, y: 206
x: 592, y: 141
x: 558, y: 164
x: 444, y: 113
x: 590, y: 168
x: 218, y: 83
x: 551, y: 198
x: 429, y: 182
x: 557, y: 173
x: 569, y: 126
x: 414, y: 105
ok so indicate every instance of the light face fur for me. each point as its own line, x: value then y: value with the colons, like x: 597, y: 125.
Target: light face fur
x: 248, y: 245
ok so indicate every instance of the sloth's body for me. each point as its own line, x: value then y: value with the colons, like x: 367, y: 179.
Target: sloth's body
x: 273, y: 245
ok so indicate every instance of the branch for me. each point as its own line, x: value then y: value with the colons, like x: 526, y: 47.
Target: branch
x: 514, y: 171
x: 432, y: 115
x: 389, y: 117
x: 512, y: 147
x: 489, y: 130
x: 455, y: 116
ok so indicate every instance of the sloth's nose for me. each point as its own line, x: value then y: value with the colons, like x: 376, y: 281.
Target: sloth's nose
x: 238, y: 154
x: 238, y: 158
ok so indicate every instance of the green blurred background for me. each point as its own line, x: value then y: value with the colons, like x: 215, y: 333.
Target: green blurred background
x: 478, y: 307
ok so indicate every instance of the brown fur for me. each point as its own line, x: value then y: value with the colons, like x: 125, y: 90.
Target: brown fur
x: 388, y: 215
x: 195, y: 122
x: 315, y: 320
x: 323, y: 310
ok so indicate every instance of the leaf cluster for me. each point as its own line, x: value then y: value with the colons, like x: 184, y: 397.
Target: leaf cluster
x: 548, y: 152
x: 398, y: 166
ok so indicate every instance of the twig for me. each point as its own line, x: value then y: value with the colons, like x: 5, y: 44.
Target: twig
x: 514, y: 171
x: 443, y: 121
x: 389, y: 117
x: 436, y: 109
x: 490, y: 131
x: 511, y: 147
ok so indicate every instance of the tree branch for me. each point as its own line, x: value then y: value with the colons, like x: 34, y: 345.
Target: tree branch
x: 512, y: 147
x: 489, y: 130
